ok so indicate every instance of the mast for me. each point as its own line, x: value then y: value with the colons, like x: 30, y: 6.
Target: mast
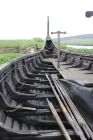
x: 47, y: 26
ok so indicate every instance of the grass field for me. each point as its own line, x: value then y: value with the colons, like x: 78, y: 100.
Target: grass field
x: 9, y: 57
x: 22, y: 43
x: 25, y: 43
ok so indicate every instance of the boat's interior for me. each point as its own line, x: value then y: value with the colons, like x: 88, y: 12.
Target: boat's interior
x: 24, y: 88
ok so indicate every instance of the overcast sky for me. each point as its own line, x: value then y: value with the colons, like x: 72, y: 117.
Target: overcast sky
x: 21, y: 19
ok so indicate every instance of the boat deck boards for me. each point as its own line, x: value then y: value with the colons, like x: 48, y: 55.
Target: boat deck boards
x: 72, y: 73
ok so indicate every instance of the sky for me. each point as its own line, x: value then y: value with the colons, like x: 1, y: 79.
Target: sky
x: 25, y: 19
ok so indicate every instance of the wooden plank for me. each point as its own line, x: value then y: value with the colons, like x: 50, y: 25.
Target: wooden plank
x: 72, y: 73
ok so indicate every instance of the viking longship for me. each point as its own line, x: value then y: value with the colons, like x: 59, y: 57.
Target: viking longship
x: 41, y: 101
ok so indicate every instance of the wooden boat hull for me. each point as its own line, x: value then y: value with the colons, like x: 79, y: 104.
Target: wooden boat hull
x: 24, y: 112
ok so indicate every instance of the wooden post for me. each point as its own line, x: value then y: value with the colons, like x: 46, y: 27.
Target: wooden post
x: 58, y: 51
